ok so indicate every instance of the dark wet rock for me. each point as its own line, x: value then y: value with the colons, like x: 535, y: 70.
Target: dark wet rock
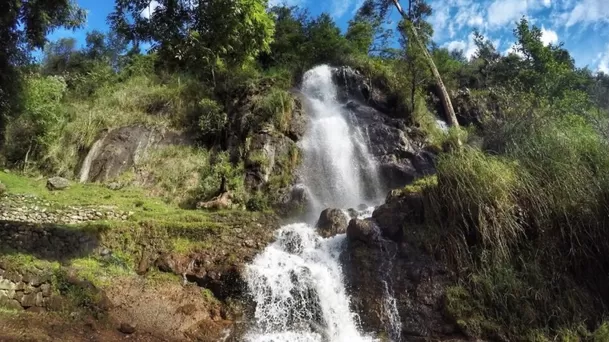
x: 364, y: 231
x: 353, y: 85
x: 416, y: 281
x: 399, y: 151
x: 331, y: 222
x: 57, y: 183
x: 401, y: 209
x: 352, y: 213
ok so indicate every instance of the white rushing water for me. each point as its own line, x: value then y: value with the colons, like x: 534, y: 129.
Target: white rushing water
x: 297, y: 282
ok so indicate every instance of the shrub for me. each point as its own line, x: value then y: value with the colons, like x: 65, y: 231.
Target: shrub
x: 276, y: 106
x: 29, y: 136
x: 212, y: 119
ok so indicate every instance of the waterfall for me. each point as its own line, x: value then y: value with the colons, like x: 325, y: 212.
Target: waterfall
x: 86, y: 164
x: 297, y: 282
x: 337, y: 167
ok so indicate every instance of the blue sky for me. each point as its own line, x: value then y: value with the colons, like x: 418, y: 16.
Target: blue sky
x: 583, y: 25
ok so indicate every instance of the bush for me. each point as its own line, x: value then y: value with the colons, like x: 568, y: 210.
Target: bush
x: 276, y: 106
x: 212, y: 119
x: 220, y: 166
x: 517, y: 222
x: 30, y: 135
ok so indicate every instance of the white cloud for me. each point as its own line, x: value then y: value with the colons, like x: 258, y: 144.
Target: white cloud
x: 512, y: 50
x: 468, y: 47
x: 502, y: 12
x: 548, y: 36
x: 587, y: 11
x: 149, y: 11
x: 603, y: 61
x: 547, y: 3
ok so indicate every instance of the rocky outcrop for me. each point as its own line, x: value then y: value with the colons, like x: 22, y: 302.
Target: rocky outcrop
x: 400, y: 153
x: 57, y: 183
x: 331, y: 222
x: 354, y: 85
x: 400, y: 210
x: 119, y: 150
x: 269, y: 154
x: 377, y: 273
x: 381, y: 267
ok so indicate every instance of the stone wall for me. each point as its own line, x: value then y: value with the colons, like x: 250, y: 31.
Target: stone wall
x: 28, y: 208
x: 50, y: 242
x: 27, y: 290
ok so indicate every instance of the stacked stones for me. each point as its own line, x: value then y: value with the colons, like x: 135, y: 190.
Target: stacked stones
x: 24, y: 291
x: 27, y: 208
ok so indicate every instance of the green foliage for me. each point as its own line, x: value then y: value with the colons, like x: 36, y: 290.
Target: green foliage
x: 221, y: 167
x: 232, y: 31
x: 29, y: 137
x: 276, y: 107
x: 25, y: 25
x: 212, y: 120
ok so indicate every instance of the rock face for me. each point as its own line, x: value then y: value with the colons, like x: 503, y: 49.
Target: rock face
x: 382, y: 268
x: 331, y: 222
x: 399, y: 151
x: 57, y: 183
x: 374, y: 272
x: 120, y: 149
x: 399, y: 210
x: 355, y: 86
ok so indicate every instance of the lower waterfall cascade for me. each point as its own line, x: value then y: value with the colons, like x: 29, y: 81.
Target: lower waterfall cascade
x: 297, y: 283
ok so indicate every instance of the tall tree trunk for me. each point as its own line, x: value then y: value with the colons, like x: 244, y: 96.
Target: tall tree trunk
x: 444, y: 97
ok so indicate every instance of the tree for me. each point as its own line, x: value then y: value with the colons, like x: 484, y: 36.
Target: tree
x: 188, y: 34
x: 24, y: 25
x: 325, y: 43
x: 287, y: 47
x: 410, y: 25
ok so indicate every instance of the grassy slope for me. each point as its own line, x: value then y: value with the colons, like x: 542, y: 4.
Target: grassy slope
x: 154, y: 223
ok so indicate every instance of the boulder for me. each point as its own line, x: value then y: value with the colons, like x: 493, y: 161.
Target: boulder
x: 10, y: 304
x: 331, y: 222
x: 126, y: 328
x: 362, y: 230
x: 401, y: 209
x: 57, y: 183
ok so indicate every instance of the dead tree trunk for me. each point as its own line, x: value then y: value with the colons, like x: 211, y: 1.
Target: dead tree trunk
x: 444, y: 97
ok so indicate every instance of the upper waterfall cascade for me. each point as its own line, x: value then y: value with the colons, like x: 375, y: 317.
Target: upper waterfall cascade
x: 297, y: 282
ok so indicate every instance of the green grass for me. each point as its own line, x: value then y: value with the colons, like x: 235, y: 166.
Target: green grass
x: 99, y: 272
